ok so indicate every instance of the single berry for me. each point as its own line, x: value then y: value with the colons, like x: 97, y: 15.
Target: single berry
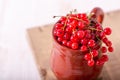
x: 87, y: 22
x: 108, y: 43
x: 88, y: 34
x: 83, y: 48
x: 70, y: 20
x: 97, y: 46
x: 63, y: 18
x: 74, y: 45
x: 93, y: 36
x: 107, y: 31
x: 98, y: 26
x: 55, y: 32
x: 104, y: 58
x: 102, y: 35
x: 66, y: 36
x: 63, y: 22
x: 110, y: 49
x: 84, y: 41
x: 74, y: 23
x: 87, y: 56
x: 68, y: 30
x: 72, y: 15
x: 91, y: 43
x: 60, y: 32
x: 103, y: 49
x: 74, y: 38
x: 64, y: 42
x: 99, y: 62
x: 80, y: 25
x: 94, y: 53
x: 59, y: 39
x: 72, y: 26
x: 58, y: 25
x: 79, y: 15
x: 69, y: 44
x: 83, y: 16
x: 91, y: 62
x: 105, y: 39
x: 80, y: 34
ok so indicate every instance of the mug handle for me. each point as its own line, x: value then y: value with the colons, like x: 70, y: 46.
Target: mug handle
x: 98, y: 14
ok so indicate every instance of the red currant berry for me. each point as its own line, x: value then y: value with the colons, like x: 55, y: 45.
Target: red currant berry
x: 63, y: 22
x: 94, y: 53
x: 64, y: 42
x: 80, y: 34
x: 55, y: 32
x: 91, y: 43
x: 91, y: 62
x: 83, y: 16
x: 58, y: 25
x: 80, y: 25
x: 108, y: 43
x: 104, y: 58
x: 110, y: 49
x: 102, y: 35
x: 88, y: 36
x: 97, y: 46
x: 59, y: 39
x: 99, y: 62
x: 74, y: 38
x: 103, y: 49
x: 105, y: 39
x: 60, y: 32
x: 63, y: 18
x: 84, y: 41
x: 87, y: 22
x: 74, y: 22
x: 72, y: 15
x: 72, y: 26
x: 93, y: 36
x: 107, y: 31
x: 79, y: 15
x: 87, y: 56
x: 98, y: 26
x: 70, y: 20
x: 74, y: 45
x: 69, y: 44
x: 66, y: 36
x: 68, y: 30
x: 88, y: 31
x: 83, y: 48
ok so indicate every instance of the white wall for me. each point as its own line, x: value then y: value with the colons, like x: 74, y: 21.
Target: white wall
x: 37, y: 12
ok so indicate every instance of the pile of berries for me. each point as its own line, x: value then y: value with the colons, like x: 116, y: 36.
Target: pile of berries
x: 84, y: 33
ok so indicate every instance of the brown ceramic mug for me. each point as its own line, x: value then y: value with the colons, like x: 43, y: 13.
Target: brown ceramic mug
x: 69, y: 64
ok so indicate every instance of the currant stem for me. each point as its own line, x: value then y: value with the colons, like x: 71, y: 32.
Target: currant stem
x: 90, y: 15
x: 73, y: 11
x: 98, y: 38
x: 89, y: 48
x: 65, y: 23
x: 56, y: 16
x: 90, y: 52
x: 95, y: 29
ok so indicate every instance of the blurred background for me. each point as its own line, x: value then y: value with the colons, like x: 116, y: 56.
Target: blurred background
x: 16, y: 60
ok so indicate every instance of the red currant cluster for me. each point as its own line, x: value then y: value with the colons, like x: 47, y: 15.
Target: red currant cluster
x: 84, y: 33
